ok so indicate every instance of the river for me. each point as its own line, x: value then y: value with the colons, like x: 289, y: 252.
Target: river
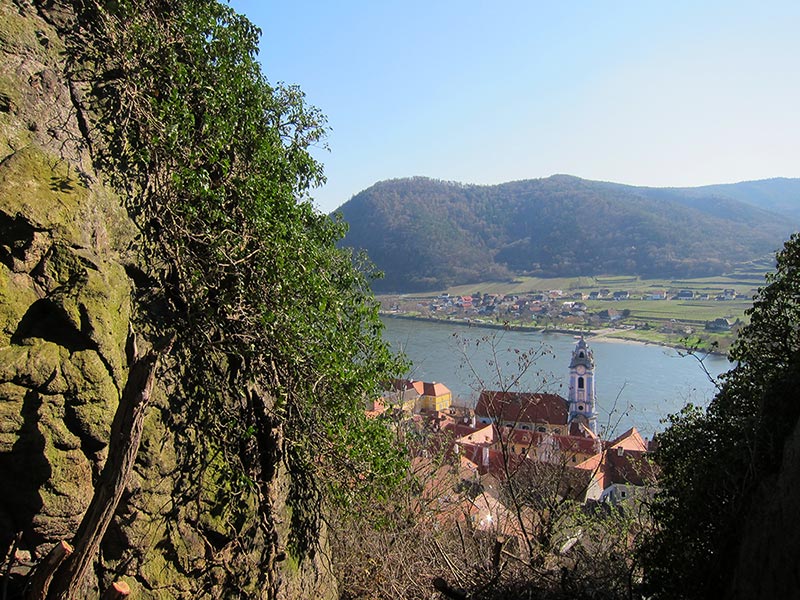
x: 637, y: 384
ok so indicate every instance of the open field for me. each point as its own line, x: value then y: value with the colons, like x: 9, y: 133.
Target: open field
x: 705, y: 340
x: 745, y: 280
x: 525, y: 285
x: 670, y: 321
x: 743, y: 283
x: 685, y: 311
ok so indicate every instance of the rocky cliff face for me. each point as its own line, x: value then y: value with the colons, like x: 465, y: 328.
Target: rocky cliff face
x: 65, y: 311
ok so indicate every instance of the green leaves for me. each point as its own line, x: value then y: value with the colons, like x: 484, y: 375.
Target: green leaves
x: 714, y: 461
x: 213, y: 162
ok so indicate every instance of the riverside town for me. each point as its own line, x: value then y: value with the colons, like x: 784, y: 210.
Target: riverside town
x: 529, y: 332
x: 511, y: 434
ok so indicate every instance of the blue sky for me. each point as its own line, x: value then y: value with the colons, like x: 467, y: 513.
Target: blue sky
x: 647, y: 93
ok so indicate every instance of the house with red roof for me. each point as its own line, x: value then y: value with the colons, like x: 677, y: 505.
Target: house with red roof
x: 400, y: 394
x: 374, y: 407
x: 467, y: 434
x: 622, y: 471
x: 545, y: 413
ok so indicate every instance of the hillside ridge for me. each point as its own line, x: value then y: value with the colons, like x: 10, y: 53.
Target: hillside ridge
x: 427, y: 234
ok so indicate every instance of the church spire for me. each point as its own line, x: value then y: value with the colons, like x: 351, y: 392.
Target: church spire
x: 581, y: 387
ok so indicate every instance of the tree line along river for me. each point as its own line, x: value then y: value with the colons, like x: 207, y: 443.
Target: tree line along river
x: 637, y: 385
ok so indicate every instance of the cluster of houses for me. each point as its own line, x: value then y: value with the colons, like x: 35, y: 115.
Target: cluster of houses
x: 554, y: 305
x: 510, y: 432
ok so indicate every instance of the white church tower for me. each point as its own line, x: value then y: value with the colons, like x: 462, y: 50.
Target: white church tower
x: 581, y: 387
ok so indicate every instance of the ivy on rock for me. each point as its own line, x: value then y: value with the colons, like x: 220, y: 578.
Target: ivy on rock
x: 277, y: 335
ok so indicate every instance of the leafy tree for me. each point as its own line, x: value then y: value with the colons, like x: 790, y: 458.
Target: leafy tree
x: 714, y: 460
x: 276, y: 335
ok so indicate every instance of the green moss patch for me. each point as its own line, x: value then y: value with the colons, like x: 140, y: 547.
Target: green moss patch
x: 46, y: 191
x: 16, y: 295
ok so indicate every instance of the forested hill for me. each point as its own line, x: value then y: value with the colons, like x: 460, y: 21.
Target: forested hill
x: 427, y: 234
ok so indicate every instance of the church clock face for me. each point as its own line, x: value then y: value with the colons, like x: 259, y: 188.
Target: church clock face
x: 581, y: 369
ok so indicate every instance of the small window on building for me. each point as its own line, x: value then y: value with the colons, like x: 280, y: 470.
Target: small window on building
x: 557, y: 432
x: 581, y: 354
x: 580, y: 408
x: 580, y: 383
x: 541, y: 429
x: 574, y: 459
x: 623, y: 494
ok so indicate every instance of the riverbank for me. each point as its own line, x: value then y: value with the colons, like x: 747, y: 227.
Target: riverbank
x: 637, y: 384
x: 606, y: 334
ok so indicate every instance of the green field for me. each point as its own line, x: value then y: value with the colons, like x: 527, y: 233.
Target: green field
x: 745, y: 283
x: 705, y: 341
x: 685, y: 311
x: 655, y: 321
x: 524, y: 285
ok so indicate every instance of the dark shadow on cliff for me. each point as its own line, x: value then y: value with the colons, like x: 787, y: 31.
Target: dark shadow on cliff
x: 48, y: 321
x: 16, y: 236
x: 23, y: 471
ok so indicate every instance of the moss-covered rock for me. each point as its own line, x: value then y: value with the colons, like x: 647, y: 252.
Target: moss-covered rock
x: 21, y: 34
x: 38, y: 185
x: 36, y: 366
x: 12, y: 398
x: 185, y: 527
x: 16, y: 296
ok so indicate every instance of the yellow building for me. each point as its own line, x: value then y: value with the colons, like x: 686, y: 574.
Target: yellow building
x: 433, y: 396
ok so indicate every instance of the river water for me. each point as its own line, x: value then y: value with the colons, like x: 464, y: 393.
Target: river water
x: 637, y: 385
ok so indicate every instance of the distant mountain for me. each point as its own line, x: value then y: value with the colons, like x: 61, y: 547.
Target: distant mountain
x: 427, y: 234
x: 780, y: 195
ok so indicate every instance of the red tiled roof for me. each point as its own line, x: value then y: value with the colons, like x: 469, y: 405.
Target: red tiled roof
x: 375, y: 408
x: 629, y: 467
x: 497, y: 462
x: 571, y: 443
x: 519, y: 407
x: 519, y: 436
x: 469, y: 434
x: 630, y: 440
x: 566, y: 444
x: 399, y: 385
x: 426, y: 388
x: 625, y: 467
x: 592, y: 463
x: 435, y: 389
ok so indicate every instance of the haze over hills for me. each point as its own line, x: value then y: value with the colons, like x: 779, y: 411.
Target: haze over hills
x: 426, y: 234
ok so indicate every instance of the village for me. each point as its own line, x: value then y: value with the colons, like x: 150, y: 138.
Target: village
x: 540, y: 444
x: 595, y: 309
